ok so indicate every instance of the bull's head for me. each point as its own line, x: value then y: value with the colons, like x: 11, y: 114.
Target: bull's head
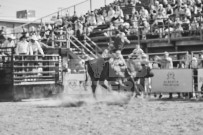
x: 97, y: 67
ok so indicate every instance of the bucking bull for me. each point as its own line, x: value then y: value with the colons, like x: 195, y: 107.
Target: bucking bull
x: 99, y: 70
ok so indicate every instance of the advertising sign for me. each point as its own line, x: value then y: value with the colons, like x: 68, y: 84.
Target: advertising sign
x: 200, y: 79
x: 172, y: 80
x: 74, y: 83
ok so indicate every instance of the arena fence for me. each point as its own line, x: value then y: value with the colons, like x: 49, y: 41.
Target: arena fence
x: 26, y: 76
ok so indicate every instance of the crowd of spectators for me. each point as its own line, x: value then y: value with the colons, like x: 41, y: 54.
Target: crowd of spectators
x: 179, y: 17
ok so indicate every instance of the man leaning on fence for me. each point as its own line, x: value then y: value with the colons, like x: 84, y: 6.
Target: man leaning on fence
x: 23, y: 47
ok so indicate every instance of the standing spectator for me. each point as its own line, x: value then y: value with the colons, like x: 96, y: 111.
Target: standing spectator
x: 78, y: 28
x: 166, y: 63
x: 36, y: 47
x: 9, y: 43
x: 74, y: 17
x: 23, y: 48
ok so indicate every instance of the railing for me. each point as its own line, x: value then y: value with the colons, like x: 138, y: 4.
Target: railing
x: 83, y: 46
x: 35, y: 69
x: 158, y: 31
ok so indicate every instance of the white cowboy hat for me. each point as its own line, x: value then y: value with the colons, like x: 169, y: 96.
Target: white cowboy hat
x: 166, y: 53
x: 39, y: 37
x: 34, y: 37
x: 11, y: 36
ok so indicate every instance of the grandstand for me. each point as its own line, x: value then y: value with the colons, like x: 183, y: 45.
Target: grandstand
x: 142, y: 23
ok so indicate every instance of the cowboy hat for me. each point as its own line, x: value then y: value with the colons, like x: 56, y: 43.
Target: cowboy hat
x: 11, y: 36
x: 34, y: 37
x: 39, y: 37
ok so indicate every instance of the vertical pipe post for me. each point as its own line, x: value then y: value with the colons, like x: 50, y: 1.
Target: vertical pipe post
x: 90, y: 5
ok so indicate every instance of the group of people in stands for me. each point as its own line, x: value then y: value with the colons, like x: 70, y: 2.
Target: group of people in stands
x: 164, y: 16
x: 25, y: 46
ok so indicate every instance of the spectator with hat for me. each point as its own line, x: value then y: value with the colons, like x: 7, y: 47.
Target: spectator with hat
x: 36, y: 47
x: 23, y: 48
x: 9, y: 43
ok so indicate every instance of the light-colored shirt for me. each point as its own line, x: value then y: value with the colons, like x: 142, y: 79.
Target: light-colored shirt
x: 36, y: 47
x: 7, y: 44
x: 23, y: 48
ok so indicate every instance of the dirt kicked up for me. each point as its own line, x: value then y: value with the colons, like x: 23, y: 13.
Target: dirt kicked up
x: 115, y: 114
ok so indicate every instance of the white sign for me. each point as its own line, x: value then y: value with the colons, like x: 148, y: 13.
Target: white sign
x: 200, y: 79
x: 172, y: 80
x: 74, y: 84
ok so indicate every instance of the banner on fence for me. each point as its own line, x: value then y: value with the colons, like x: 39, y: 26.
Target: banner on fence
x: 200, y: 79
x: 73, y: 82
x: 172, y: 81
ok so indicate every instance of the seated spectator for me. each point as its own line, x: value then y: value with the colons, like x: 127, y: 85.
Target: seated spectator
x: 70, y: 30
x: 100, y: 19
x: 178, y: 12
x: 82, y: 19
x: 110, y: 30
x: 127, y: 19
x: 134, y: 20
x: 111, y: 14
x: 162, y: 10
x: 91, y: 20
x: 156, y: 5
x: 105, y: 15
x: 178, y: 30
x: 194, y: 26
x: 144, y: 14
x: 146, y: 29
x: 153, y: 12
x: 165, y: 3
x: 118, y: 22
x: 169, y: 11
x: 187, y: 11
x: 186, y: 24
x: 160, y: 23
x: 118, y: 12
x: 177, y: 21
x: 134, y: 11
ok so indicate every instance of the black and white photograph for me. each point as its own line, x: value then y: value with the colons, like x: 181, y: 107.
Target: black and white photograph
x: 101, y: 67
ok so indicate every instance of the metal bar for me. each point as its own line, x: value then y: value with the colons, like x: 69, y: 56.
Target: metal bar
x: 92, y: 42
x: 83, y: 46
x: 22, y: 61
x: 44, y: 72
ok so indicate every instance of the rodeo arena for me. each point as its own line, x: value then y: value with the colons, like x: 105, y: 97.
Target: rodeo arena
x: 130, y: 67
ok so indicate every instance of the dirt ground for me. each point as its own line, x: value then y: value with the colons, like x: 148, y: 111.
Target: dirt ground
x: 115, y: 115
